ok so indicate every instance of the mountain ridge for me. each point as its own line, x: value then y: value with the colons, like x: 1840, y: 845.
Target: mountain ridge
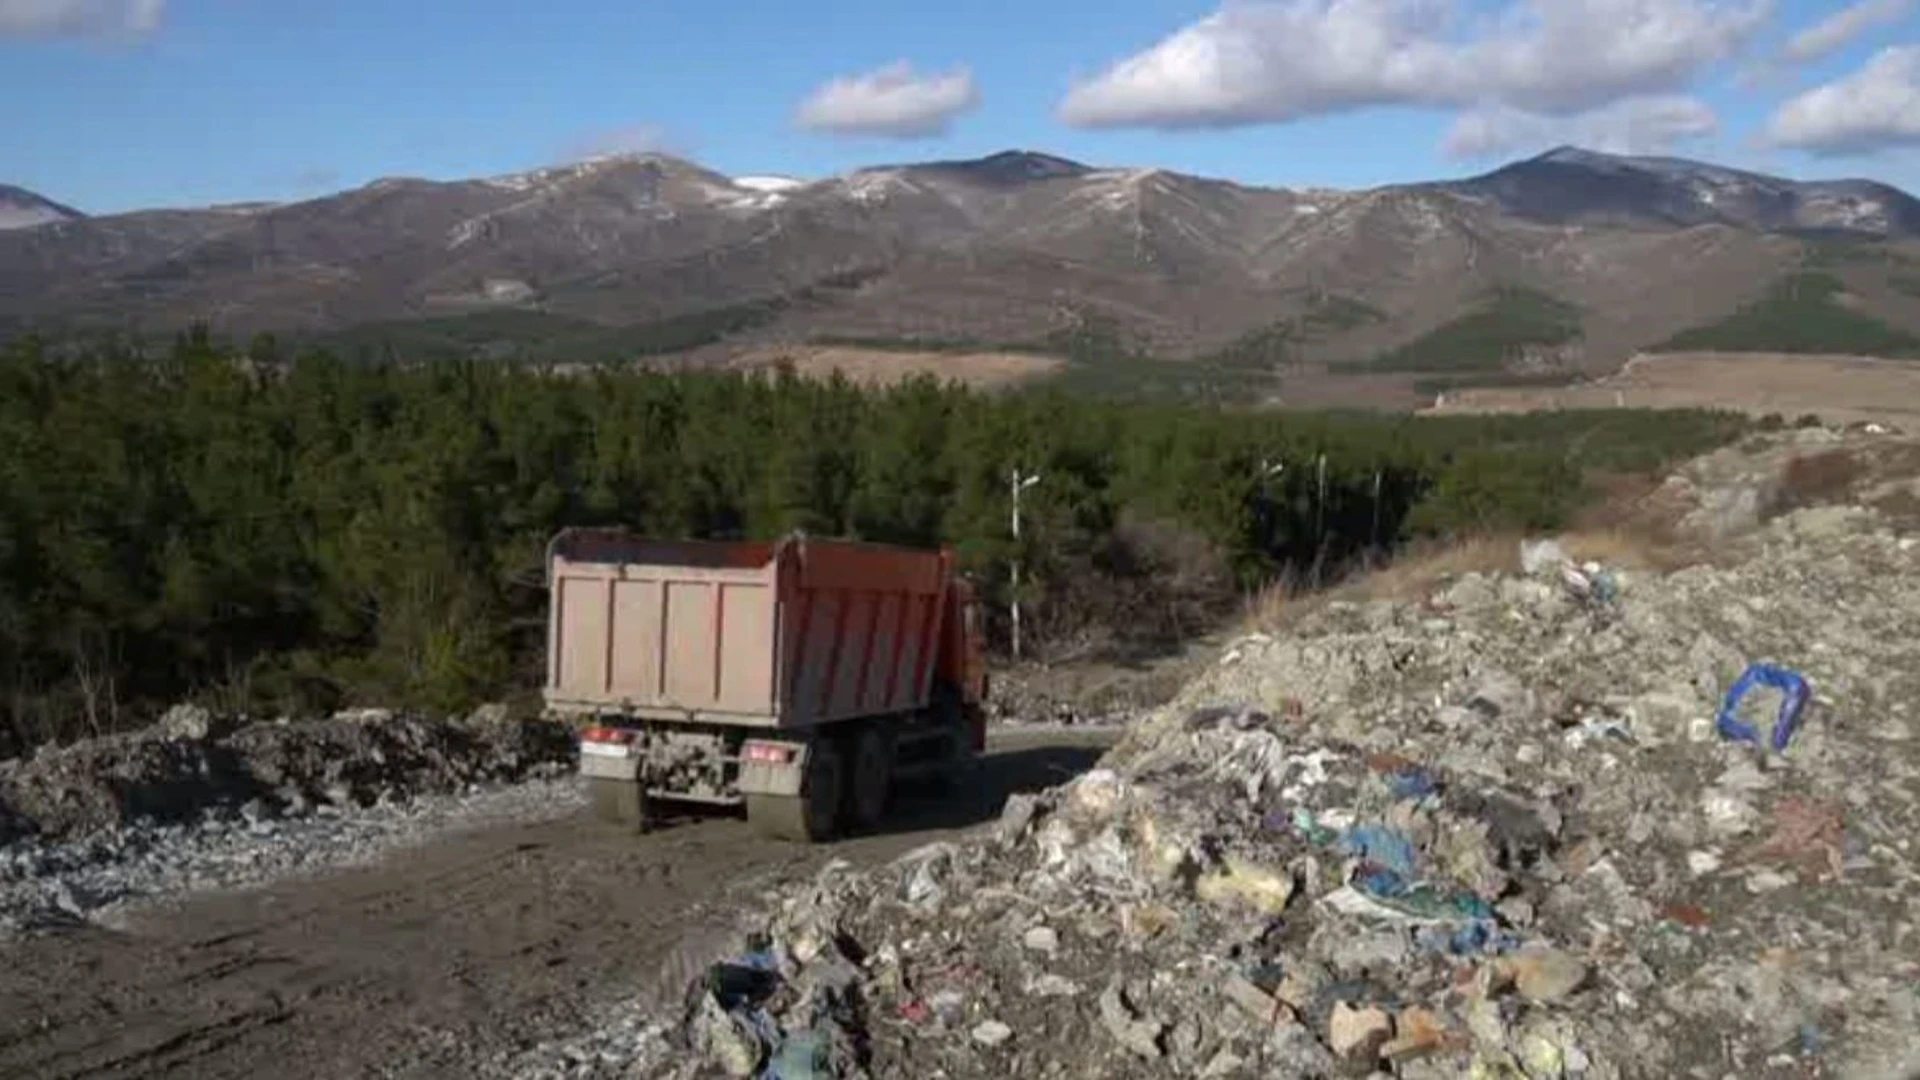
x: 1018, y: 246
x: 23, y: 209
x: 1036, y: 165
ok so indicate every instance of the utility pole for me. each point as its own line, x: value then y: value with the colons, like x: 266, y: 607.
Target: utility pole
x: 1017, y: 484
x: 1374, y: 538
x: 1320, y: 505
x: 1269, y: 469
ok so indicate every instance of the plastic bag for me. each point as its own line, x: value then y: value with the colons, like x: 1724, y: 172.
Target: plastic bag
x: 1791, y: 684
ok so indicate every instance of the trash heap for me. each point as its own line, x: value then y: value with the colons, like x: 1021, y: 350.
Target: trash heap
x: 194, y: 761
x: 1513, y: 829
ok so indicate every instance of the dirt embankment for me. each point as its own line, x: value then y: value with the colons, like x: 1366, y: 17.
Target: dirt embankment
x: 191, y: 762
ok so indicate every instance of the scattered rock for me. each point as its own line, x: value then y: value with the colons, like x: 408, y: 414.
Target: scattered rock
x: 1418, y: 1031
x: 992, y: 1033
x: 1358, y: 1033
x: 1140, y: 1036
x: 1546, y: 975
x: 1042, y: 939
x: 187, y: 722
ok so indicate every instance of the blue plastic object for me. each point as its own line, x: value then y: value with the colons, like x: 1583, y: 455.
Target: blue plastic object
x: 1382, y: 846
x: 1791, y: 684
x: 1411, y: 784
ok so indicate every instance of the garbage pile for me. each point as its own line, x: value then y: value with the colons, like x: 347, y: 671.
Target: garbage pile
x: 1569, y: 822
x: 194, y: 761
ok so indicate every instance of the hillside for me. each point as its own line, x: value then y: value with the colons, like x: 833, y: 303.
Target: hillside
x: 22, y: 209
x: 637, y: 255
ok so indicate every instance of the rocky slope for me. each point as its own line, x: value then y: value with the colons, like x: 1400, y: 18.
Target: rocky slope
x: 1009, y: 248
x: 1496, y: 831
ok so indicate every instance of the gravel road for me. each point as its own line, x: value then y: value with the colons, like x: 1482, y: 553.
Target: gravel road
x: 498, y: 936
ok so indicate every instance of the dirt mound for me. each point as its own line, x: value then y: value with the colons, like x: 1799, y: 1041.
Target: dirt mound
x: 191, y: 762
x: 1503, y: 829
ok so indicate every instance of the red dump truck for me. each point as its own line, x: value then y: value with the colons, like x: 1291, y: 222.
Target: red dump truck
x: 802, y: 679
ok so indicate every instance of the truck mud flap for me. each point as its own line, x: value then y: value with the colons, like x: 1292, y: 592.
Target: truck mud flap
x: 772, y: 768
x: 619, y: 802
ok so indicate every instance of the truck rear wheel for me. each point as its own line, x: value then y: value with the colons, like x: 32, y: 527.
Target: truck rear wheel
x: 872, y: 777
x: 814, y: 814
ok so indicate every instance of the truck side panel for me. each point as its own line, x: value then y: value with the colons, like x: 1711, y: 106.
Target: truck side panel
x: 863, y: 622
x: 858, y: 652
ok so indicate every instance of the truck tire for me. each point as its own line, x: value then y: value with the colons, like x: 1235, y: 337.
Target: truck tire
x: 814, y: 814
x: 872, y: 777
x: 959, y: 765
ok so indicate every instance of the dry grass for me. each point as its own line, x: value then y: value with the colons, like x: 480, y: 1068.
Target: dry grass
x: 1816, y: 479
x: 1841, y: 389
x: 1415, y: 572
x: 1627, y: 526
x: 1618, y: 531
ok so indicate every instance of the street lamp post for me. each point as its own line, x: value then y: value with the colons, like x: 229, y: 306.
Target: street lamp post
x: 1016, y: 484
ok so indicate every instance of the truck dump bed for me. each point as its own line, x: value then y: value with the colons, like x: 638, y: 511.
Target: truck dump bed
x: 785, y: 635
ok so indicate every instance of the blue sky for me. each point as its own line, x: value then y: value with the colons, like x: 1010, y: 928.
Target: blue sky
x: 116, y: 104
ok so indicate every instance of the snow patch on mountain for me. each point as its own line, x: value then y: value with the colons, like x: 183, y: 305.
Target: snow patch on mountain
x: 22, y: 209
x: 770, y: 184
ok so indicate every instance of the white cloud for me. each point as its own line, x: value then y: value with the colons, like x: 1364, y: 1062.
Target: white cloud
x: 79, y: 18
x: 1269, y: 61
x: 1643, y: 125
x: 1838, y: 30
x: 893, y: 101
x: 1875, y: 107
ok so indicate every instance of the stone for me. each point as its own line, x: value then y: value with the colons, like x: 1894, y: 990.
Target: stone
x: 491, y: 714
x: 1500, y: 696
x: 187, y: 722
x: 1041, y: 939
x: 1259, y: 1006
x: 1141, y: 1036
x: 991, y: 1033
x: 1546, y: 975
x: 1727, y: 814
x: 1051, y: 985
x: 1358, y: 1033
x: 731, y: 1045
x: 1224, y: 1064
x: 1015, y: 818
x: 1417, y: 1031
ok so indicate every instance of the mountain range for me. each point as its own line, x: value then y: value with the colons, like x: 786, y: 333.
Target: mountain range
x: 1569, y: 261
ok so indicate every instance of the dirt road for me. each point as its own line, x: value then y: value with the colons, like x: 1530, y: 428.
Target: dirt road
x: 469, y: 950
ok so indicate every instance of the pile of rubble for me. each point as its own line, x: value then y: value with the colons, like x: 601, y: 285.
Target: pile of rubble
x: 199, y: 801
x: 1513, y: 829
x: 193, y: 761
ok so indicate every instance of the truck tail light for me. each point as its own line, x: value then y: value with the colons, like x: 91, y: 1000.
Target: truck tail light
x: 766, y: 753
